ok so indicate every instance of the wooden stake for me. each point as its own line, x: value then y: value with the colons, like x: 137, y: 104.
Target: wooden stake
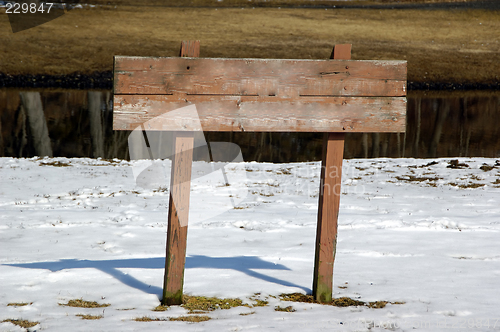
x: 329, y: 202
x: 178, y: 210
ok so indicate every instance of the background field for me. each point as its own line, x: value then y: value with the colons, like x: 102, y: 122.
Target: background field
x: 440, y: 45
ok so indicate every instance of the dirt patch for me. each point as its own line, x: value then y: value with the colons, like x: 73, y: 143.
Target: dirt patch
x: 441, y: 45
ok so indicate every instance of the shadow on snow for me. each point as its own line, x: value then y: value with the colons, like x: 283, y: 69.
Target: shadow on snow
x: 244, y: 264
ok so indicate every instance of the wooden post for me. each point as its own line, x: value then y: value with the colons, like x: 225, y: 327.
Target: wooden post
x: 178, y: 210
x: 256, y: 95
x: 329, y: 202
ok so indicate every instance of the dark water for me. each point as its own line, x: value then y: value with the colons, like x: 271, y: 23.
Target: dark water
x: 77, y: 123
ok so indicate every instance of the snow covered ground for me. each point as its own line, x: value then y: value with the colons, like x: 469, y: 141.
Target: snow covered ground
x: 410, y: 230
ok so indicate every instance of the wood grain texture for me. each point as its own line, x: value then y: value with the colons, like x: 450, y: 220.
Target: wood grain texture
x: 190, y: 48
x: 341, y: 52
x: 259, y: 77
x: 328, y: 211
x: 178, y: 212
x: 178, y: 208
x: 329, y: 204
x: 244, y: 113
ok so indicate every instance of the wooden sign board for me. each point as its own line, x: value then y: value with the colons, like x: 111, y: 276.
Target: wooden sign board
x: 331, y: 96
x: 261, y: 94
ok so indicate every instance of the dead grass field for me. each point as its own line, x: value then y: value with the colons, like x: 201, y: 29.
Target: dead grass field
x: 440, y: 45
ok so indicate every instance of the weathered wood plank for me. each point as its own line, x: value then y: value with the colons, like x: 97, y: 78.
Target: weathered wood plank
x: 259, y: 77
x: 190, y: 48
x: 234, y: 113
x: 329, y: 204
x: 341, y: 52
x: 328, y: 211
x: 178, y: 208
x: 178, y: 213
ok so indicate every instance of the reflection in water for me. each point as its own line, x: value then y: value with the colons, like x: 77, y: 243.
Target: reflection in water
x: 77, y: 123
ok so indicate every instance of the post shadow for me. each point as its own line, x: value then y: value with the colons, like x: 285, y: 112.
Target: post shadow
x: 244, y: 264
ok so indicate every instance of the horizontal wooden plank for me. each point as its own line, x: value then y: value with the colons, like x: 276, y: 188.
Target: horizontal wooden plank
x: 259, y: 77
x: 248, y: 113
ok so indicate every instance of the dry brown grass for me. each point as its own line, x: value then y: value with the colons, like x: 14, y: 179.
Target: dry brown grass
x: 79, y: 303
x: 21, y: 322
x: 467, y: 185
x: 411, y: 178
x: 149, y: 319
x: 263, y: 3
x: 203, y: 304
x: 161, y: 308
x: 439, y: 45
x: 19, y: 304
x: 89, y: 317
x: 337, y: 302
x: 55, y: 164
x: 284, y: 309
x: 191, y: 318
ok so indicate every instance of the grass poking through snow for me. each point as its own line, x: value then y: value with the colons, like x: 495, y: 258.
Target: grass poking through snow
x: 285, y: 309
x: 338, y: 302
x: 161, y: 308
x: 191, y: 319
x: 21, y: 322
x: 19, y: 304
x: 89, y: 317
x: 203, y: 304
x: 79, y: 303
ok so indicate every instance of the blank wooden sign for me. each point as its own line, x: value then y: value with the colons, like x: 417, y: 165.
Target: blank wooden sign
x: 262, y: 94
x: 331, y: 96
